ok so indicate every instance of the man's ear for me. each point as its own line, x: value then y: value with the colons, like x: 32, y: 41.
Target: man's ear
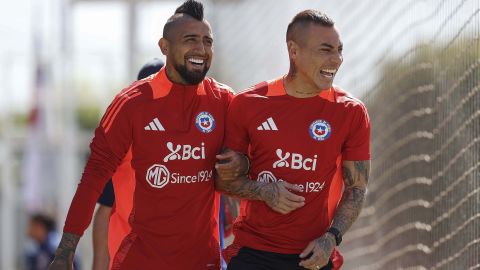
x: 164, y: 46
x: 292, y: 47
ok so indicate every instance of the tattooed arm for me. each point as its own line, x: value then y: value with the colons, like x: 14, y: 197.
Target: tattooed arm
x: 65, y: 252
x: 276, y: 195
x: 355, y: 178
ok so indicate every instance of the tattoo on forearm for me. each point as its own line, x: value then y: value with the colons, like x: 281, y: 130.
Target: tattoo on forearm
x: 349, y: 208
x: 243, y: 188
x: 66, y: 249
x: 252, y: 190
x: 347, y: 176
x: 353, y: 196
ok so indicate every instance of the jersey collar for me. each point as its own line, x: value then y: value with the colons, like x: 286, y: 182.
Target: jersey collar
x: 276, y: 88
x: 162, y: 86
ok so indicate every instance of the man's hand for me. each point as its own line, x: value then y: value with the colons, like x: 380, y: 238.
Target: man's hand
x: 231, y: 165
x: 60, y: 264
x: 321, y: 250
x: 65, y: 252
x: 280, y: 199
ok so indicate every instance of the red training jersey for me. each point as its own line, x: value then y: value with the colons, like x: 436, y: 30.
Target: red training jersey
x: 161, y: 139
x: 301, y: 141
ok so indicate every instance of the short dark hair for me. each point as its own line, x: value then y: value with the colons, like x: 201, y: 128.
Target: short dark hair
x: 191, y: 8
x: 302, y: 19
x: 150, y: 68
x: 47, y: 222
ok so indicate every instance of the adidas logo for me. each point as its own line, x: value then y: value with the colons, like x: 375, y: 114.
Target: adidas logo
x: 155, y: 125
x: 268, y: 125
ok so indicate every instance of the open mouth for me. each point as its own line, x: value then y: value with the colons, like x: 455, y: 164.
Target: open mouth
x: 329, y: 73
x: 196, y: 61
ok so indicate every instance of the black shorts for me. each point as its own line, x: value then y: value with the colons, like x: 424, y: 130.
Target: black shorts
x: 252, y: 259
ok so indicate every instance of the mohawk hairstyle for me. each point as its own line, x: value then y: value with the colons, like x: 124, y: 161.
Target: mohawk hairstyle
x: 192, y: 8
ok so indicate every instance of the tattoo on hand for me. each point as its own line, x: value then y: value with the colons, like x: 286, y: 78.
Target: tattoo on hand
x: 326, y: 243
x: 270, y: 194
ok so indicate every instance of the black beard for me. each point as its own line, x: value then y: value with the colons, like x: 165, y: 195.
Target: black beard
x: 189, y: 76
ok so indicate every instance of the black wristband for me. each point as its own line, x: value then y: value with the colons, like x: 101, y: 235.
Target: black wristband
x: 337, y: 234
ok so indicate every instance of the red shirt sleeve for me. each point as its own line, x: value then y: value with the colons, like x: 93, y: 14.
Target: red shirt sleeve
x: 357, y: 144
x: 236, y: 134
x: 112, y: 140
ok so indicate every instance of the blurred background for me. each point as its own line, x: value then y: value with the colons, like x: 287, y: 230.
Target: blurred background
x: 415, y: 63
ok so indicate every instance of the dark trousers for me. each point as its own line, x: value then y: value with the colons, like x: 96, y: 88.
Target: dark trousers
x: 252, y: 259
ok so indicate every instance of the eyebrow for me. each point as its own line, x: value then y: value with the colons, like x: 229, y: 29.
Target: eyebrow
x: 190, y: 35
x: 327, y: 45
x: 331, y: 46
x: 195, y: 36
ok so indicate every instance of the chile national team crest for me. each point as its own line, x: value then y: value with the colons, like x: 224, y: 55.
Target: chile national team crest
x: 205, y: 122
x: 320, y: 130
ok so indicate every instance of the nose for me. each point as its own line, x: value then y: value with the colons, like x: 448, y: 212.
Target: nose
x: 337, y: 58
x: 200, y: 47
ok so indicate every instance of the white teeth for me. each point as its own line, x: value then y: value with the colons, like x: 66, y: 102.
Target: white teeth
x: 329, y: 70
x: 196, y: 60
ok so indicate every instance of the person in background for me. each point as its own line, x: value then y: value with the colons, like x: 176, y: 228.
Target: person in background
x: 44, y: 240
x: 101, y: 218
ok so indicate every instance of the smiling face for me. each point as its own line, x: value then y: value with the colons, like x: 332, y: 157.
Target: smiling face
x: 188, y: 50
x: 316, y: 55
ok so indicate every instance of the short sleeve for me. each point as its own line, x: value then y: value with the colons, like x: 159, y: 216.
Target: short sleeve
x: 236, y: 133
x: 107, y: 197
x: 357, y: 143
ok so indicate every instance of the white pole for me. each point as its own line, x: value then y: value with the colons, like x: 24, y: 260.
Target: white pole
x: 7, y: 183
x: 131, y: 39
x: 68, y: 175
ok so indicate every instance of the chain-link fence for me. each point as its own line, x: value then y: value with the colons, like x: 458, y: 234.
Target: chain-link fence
x: 423, y: 205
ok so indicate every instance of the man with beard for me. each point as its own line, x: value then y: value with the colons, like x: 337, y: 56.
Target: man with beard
x: 163, y: 132
x: 328, y: 132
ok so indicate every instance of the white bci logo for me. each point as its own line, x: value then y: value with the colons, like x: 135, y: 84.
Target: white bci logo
x: 184, y: 152
x: 295, y: 161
